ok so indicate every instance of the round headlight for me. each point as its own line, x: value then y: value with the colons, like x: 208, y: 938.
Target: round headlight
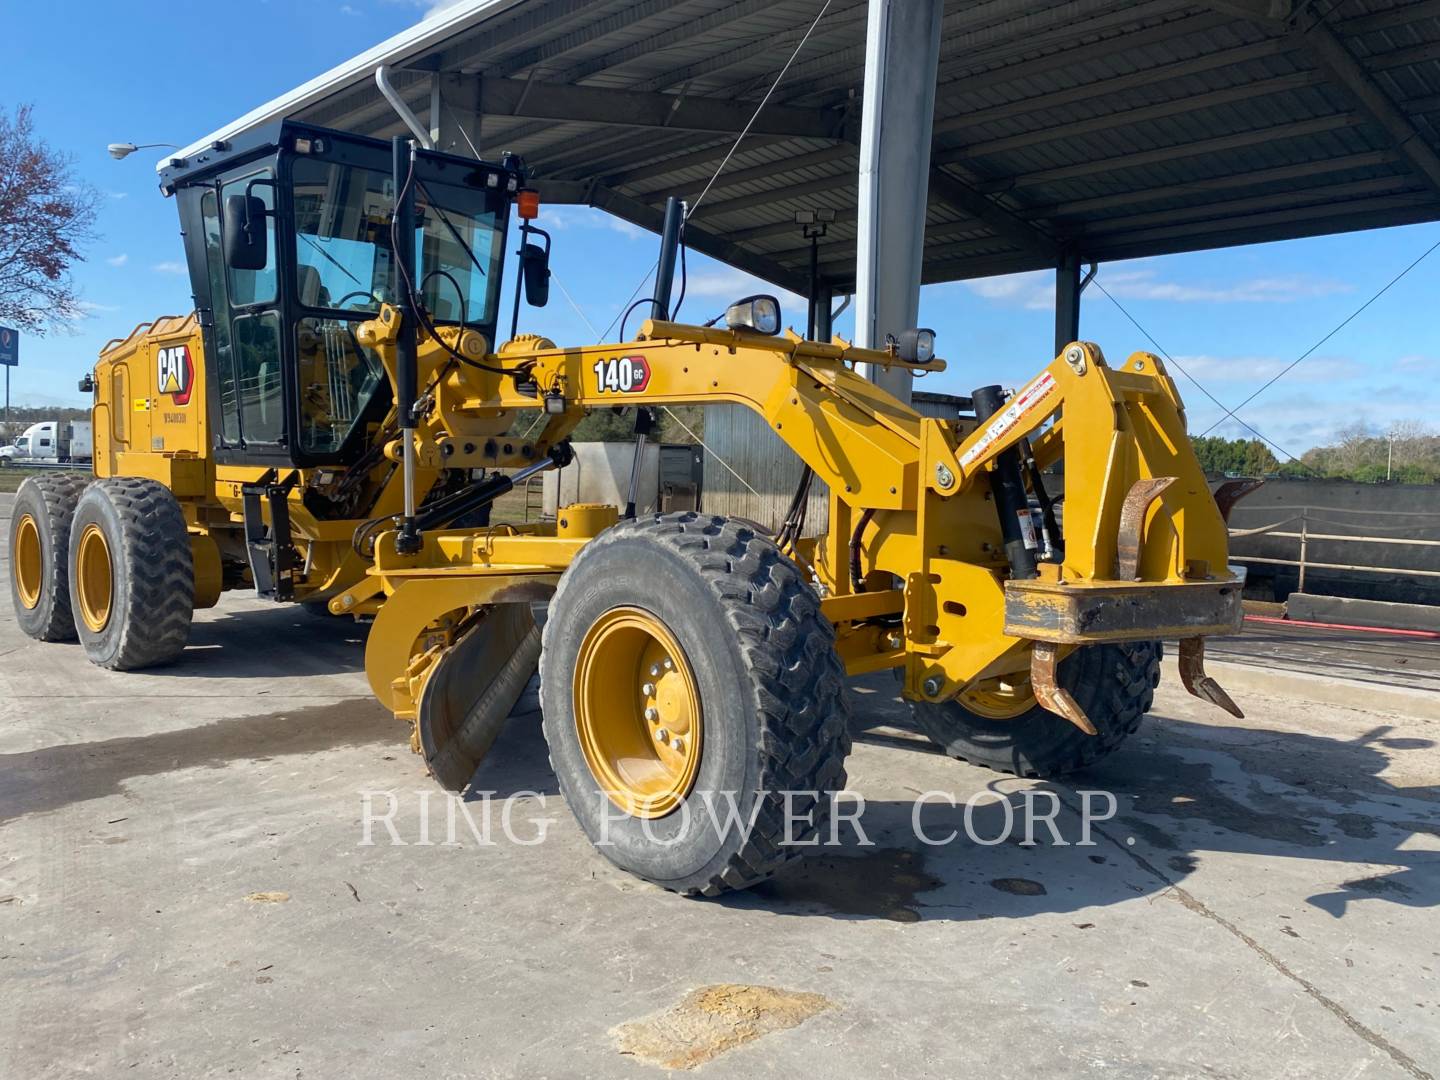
x: 758, y: 313
x: 916, y: 346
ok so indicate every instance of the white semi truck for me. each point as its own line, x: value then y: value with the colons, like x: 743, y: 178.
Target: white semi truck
x: 51, y: 441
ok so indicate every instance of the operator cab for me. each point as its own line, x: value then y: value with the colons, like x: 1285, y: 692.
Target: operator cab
x: 290, y: 241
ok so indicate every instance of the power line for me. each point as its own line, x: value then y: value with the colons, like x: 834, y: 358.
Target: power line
x: 758, y: 109
x: 1344, y: 323
x: 1200, y: 386
x: 628, y: 301
x: 571, y: 300
x: 726, y: 161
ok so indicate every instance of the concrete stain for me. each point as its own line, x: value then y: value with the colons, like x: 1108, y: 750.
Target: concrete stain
x: 712, y: 1020
x: 53, y: 777
x: 882, y: 883
x: 1018, y: 886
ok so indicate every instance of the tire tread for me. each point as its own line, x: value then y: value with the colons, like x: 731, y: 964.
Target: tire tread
x: 159, y: 573
x: 1115, y: 685
x: 797, y: 678
x: 58, y: 494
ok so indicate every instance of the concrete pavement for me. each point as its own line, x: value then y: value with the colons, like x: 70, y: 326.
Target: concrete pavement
x: 184, y: 893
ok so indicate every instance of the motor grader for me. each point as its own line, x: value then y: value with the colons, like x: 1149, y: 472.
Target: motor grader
x: 331, y: 423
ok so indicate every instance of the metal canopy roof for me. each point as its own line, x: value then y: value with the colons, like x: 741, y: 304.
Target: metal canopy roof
x: 1100, y: 128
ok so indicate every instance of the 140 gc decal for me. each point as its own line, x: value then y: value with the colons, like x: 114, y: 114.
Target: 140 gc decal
x: 622, y: 375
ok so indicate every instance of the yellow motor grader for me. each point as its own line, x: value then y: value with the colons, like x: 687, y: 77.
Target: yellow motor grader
x: 332, y: 423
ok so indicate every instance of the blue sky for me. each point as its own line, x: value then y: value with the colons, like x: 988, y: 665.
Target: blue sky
x: 145, y: 73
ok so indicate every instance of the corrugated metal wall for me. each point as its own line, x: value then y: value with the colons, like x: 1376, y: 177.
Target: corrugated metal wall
x: 743, y: 440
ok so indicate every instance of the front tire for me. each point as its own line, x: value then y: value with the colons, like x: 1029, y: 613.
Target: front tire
x: 1114, y: 684
x: 40, y: 555
x: 686, y: 672
x: 132, y: 579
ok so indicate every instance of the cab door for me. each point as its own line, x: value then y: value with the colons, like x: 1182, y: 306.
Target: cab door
x: 248, y: 387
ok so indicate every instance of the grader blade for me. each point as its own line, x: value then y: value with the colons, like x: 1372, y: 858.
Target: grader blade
x: 1192, y: 674
x: 472, y: 689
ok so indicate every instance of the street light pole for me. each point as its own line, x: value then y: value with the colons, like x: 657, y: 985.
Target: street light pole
x: 121, y: 150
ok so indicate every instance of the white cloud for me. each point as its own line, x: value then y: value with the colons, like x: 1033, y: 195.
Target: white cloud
x: 437, y: 7
x: 725, y: 285
x: 1035, y: 290
x: 118, y: 260
x: 90, y: 307
x: 118, y: 194
x: 1146, y: 285
x: 1314, y: 369
x: 169, y: 268
x: 429, y: 8
x: 560, y: 218
x: 1416, y: 362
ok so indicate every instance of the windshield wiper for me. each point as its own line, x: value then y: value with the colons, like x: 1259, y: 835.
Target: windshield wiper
x: 337, y: 264
x: 454, y: 233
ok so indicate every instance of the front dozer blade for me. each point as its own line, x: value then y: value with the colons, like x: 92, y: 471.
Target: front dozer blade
x: 472, y: 689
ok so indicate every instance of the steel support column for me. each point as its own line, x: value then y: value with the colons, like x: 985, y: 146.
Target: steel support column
x: 1067, y: 302
x: 455, y: 113
x: 902, y: 55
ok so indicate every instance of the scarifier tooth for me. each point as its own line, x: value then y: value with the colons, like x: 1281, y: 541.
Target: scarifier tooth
x: 1192, y: 674
x: 1048, y: 691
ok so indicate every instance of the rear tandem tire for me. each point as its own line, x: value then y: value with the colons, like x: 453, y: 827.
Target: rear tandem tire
x: 132, y: 578
x: 756, y: 690
x: 1114, y: 684
x: 40, y: 554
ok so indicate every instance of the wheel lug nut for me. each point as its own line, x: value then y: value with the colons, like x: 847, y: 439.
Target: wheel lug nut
x: 677, y: 745
x: 662, y: 735
x: 654, y: 670
x: 648, y: 689
x: 669, y: 664
x: 652, y: 715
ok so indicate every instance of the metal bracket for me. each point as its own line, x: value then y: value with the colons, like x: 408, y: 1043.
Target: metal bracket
x: 1044, y: 658
x: 271, y: 553
x: 1192, y: 674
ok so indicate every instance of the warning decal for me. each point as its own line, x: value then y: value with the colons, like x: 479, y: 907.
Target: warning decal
x: 1026, y: 401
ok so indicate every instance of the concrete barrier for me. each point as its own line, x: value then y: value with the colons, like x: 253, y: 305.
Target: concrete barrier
x: 1352, y: 612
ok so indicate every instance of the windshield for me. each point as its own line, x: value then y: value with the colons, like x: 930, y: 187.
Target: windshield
x: 343, y: 249
x: 22, y: 443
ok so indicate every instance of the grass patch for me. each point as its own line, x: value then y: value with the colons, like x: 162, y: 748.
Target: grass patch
x: 12, y: 476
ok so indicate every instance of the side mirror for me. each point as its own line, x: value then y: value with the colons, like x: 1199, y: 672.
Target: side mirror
x: 535, y: 267
x: 246, y: 239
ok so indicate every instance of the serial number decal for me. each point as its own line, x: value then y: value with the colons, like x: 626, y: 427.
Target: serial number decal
x: 1024, y: 402
x: 622, y: 375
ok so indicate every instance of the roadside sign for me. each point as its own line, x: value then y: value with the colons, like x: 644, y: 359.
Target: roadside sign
x: 9, y: 347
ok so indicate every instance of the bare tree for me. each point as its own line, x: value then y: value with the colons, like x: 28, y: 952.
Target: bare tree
x: 46, y: 216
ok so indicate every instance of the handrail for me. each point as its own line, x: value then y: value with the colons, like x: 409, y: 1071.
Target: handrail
x: 1305, y: 536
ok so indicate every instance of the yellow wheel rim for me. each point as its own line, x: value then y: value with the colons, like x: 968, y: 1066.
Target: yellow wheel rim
x: 94, y: 582
x: 29, y: 562
x: 1002, y: 698
x: 637, y: 712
